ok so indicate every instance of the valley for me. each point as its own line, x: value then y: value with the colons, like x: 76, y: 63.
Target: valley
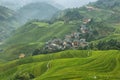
x: 40, y: 41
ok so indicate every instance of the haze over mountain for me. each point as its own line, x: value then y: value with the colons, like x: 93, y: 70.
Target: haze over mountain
x: 10, y: 18
x: 38, y: 10
x: 72, y: 3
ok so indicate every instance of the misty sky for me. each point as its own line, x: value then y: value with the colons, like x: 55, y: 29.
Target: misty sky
x: 73, y: 3
x: 64, y: 3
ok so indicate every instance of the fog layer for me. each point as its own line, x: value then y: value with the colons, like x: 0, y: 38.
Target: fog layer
x: 16, y: 4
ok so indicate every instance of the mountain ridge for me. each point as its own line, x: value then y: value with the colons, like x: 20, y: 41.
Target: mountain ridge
x: 40, y: 11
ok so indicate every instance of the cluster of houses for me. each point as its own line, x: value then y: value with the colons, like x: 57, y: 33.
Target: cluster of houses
x: 74, y: 40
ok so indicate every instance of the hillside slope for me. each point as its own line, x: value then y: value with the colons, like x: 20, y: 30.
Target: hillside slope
x: 108, y: 4
x: 66, y: 65
x: 33, y: 35
x: 40, y: 32
x: 7, y: 22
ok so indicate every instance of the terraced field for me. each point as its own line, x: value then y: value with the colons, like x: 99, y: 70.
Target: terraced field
x: 65, y: 65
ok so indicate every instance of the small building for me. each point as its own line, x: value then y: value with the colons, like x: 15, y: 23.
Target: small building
x: 76, y: 43
x: 85, y: 21
x: 68, y: 37
x: 83, y: 40
x: 83, y: 43
x: 21, y: 56
x: 84, y: 29
x: 90, y: 8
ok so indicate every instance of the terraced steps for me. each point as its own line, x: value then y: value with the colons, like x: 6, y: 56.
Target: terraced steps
x: 66, y: 65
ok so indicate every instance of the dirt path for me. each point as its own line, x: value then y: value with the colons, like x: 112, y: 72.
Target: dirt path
x: 48, y: 65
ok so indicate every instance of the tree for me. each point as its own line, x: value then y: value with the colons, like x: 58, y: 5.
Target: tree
x: 36, y: 52
x: 72, y: 15
x: 108, y: 45
x: 23, y: 76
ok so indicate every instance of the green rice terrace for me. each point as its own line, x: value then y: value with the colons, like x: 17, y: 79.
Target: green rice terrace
x: 65, y: 65
x: 52, y: 40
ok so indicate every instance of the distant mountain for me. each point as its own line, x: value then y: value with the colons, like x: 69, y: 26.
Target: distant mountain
x: 12, y: 3
x: 41, y: 11
x: 7, y: 22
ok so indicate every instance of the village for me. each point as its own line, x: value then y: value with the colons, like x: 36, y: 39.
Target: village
x: 75, y: 40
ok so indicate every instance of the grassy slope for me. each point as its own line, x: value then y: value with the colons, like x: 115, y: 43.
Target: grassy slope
x: 114, y: 35
x: 98, y: 15
x: 33, y: 35
x: 67, y: 65
x: 40, y: 32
